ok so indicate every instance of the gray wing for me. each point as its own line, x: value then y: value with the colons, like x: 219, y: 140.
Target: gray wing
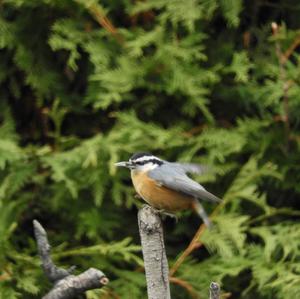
x: 171, y: 176
x: 190, y: 167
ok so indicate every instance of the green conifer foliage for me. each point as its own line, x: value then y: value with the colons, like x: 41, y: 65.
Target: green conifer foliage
x: 84, y: 84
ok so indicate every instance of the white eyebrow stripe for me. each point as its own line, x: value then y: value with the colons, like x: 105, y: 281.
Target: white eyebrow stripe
x: 146, y: 158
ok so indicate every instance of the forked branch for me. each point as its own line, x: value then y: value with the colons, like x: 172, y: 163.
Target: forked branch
x: 66, y: 285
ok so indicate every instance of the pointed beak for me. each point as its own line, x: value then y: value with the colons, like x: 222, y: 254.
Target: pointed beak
x: 123, y: 164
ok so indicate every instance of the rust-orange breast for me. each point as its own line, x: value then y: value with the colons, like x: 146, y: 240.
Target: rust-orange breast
x: 159, y: 196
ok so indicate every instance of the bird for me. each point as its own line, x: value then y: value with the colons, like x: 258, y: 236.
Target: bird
x: 166, y: 186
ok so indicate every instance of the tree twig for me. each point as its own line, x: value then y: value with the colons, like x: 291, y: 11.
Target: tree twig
x: 195, y: 243
x: 66, y: 286
x: 184, y: 284
x: 156, y: 264
x: 98, y: 14
x: 295, y: 44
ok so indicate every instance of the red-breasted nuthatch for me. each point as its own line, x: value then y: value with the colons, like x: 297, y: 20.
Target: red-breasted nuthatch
x: 165, y: 186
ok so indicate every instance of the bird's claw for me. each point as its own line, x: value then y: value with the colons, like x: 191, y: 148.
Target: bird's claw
x: 164, y: 213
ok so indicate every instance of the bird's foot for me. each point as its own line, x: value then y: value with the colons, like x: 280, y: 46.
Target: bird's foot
x: 173, y: 216
x: 163, y: 213
x: 166, y: 214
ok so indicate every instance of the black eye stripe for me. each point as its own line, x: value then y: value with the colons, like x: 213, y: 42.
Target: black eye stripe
x: 154, y: 161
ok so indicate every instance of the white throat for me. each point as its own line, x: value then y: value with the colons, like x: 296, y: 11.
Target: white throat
x: 147, y: 167
x: 144, y: 168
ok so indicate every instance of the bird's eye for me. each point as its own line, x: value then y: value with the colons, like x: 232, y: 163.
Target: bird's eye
x: 138, y: 162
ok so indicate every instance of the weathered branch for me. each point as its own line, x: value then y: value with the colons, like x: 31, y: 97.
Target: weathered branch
x: 72, y: 285
x: 214, y: 291
x: 52, y: 272
x: 156, y: 263
x: 66, y: 286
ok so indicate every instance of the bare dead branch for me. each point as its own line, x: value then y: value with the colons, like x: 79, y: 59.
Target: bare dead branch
x: 71, y: 286
x: 156, y: 264
x: 66, y: 286
x: 52, y: 272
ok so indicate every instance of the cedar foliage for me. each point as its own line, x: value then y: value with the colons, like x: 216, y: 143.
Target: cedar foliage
x: 84, y: 84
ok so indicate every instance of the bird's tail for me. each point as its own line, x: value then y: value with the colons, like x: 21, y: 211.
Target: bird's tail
x: 205, y: 195
x: 197, y: 206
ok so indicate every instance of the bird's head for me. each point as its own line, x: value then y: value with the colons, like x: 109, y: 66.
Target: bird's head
x: 141, y: 162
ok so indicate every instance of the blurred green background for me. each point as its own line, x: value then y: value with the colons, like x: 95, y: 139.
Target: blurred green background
x: 84, y: 84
